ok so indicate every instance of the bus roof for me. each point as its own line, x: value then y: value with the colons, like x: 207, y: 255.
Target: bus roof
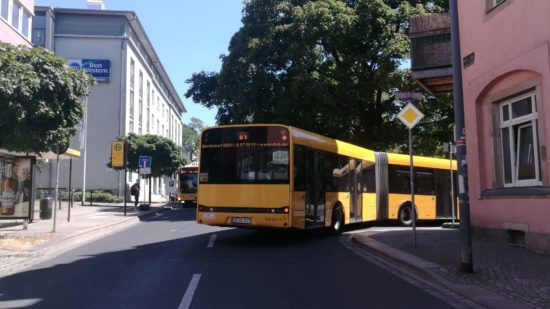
x: 313, y: 140
x: 418, y: 161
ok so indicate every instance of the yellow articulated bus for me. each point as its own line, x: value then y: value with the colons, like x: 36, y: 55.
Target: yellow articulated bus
x: 283, y: 177
x: 187, y: 183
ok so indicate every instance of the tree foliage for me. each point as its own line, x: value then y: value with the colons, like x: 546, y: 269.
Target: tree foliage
x: 39, y: 99
x: 191, y: 138
x: 166, y: 156
x: 328, y: 66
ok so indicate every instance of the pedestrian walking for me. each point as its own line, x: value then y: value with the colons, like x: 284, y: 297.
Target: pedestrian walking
x: 134, y: 190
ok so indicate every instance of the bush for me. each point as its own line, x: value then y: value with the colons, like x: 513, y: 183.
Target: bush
x: 95, y: 196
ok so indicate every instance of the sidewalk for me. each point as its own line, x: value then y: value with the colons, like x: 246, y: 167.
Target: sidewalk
x: 505, y: 276
x: 20, y: 248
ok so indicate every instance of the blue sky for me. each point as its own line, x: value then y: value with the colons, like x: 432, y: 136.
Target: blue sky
x: 188, y: 36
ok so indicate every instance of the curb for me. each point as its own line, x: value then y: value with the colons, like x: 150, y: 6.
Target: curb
x: 480, y: 295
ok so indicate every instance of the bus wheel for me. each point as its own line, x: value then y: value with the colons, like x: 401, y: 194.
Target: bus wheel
x: 337, y: 220
x: 405, y: 215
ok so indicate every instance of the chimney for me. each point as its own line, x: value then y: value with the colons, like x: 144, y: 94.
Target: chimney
x: 95, y: 5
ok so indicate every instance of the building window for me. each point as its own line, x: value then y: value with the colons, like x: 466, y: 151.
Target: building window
x: 519, y: 142
x: 25, y: 24
x: 148, y: 107
x: 131, y: 116
x: 140, y: 99
x: 15, y: 15
x: 4, y: 9
x: 39, y: 29
x: 491, y: 4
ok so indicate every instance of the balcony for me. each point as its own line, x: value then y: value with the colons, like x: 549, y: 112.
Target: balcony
x: 431, y: 62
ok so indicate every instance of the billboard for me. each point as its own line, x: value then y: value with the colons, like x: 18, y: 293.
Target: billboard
x: 98, y: 68
x: 15, y: 187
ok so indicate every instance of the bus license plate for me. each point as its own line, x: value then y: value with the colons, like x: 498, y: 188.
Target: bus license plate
x: 239, y: 220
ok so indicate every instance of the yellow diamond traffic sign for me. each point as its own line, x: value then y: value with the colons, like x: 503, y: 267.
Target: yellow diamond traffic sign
x: 410, y: 115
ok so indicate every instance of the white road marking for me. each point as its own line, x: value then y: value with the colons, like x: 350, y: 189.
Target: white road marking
x: 211, y: 241
x: 188, y: 296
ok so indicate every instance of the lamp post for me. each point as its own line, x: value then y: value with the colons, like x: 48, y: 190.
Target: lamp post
x: 466, y: 264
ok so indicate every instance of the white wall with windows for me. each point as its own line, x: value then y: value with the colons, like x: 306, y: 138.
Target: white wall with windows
x: 132, y: 99
x: 149, y: 110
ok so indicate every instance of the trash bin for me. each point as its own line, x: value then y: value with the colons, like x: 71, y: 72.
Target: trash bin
x: 46, y: 206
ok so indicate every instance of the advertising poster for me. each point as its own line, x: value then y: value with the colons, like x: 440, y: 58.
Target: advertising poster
x: 15, y: 187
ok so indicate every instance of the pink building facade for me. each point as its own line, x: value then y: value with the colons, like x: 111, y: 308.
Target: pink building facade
x: 16, y: 21
x: 505, y: 46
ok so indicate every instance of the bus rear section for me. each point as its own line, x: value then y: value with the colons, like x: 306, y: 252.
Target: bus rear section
x: 244, y: 177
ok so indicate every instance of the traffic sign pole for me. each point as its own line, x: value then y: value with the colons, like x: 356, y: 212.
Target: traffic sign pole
x: 125, y: 177
x: 410, y: 116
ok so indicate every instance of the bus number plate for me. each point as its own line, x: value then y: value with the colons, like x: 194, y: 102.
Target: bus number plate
x: 240, y: 220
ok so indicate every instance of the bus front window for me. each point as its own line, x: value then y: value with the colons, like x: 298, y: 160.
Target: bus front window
x: 245, y: 155
x: 188, y: 183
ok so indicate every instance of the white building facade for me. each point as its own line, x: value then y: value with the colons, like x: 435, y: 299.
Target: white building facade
x: 133, y: 95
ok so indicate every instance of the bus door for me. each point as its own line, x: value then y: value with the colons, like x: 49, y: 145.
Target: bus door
x: 315, y: 193
x: 356, y: 192
x: 443, y: 194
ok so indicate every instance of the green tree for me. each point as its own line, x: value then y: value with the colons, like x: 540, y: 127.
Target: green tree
x: 328, y: 66
x: 191, y: 138
x: 166, y: 156
x: 39, y: 99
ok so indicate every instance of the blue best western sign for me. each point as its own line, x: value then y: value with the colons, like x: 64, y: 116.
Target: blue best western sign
x: 98, y: 68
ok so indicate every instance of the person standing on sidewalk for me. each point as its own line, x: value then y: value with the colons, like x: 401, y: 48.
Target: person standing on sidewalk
x: 134, y: 190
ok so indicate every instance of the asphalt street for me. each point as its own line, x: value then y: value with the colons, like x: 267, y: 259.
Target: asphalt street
x: 169, y: 261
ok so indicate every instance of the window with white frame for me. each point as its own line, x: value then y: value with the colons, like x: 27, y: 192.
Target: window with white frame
x: 148, y: 116
x: 140, y: 106
x: 131, y: 114
x: 491, y: 4
x: 15, y: 14
x: 4, y: 10
x: 519, y: 141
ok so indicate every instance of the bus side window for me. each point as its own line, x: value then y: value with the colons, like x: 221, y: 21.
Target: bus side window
x: 399, y: 181
x: 424, y: 181
x: 342, y: 178
x: 369, y: 180
x: 331, y: 163
x: 299, y: 168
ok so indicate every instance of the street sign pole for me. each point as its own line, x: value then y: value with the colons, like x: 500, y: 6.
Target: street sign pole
x: 125, y: 177
x: 410, y: 116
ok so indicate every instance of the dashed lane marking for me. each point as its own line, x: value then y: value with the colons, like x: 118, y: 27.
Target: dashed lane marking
x: 188, y: 296
x: 211, y: 241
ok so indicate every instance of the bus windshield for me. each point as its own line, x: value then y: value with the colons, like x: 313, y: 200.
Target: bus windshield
x: 245, y: 155
x: 188, y: 183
